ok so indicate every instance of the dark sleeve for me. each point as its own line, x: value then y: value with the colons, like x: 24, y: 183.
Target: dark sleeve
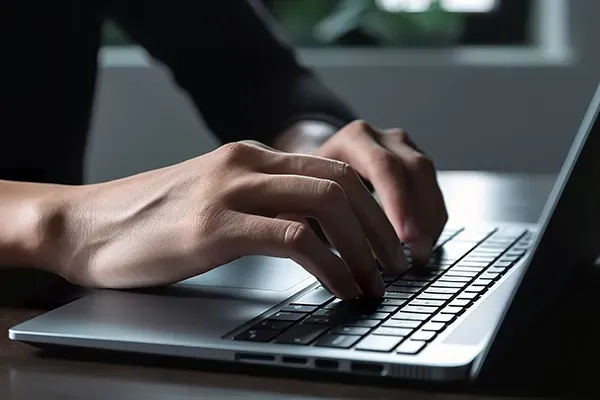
x: 245, y: 81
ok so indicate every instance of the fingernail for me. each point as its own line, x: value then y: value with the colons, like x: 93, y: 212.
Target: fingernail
x: 410, y: 229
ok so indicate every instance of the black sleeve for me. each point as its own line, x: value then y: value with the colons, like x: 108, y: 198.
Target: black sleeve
x: 245, y: 81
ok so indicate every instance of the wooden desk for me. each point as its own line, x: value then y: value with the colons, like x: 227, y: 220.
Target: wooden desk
x: 25, y: 374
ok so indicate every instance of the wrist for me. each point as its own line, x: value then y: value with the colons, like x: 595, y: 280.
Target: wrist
x: 36, y: 228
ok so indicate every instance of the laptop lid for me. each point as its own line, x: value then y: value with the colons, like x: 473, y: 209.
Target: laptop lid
x: 567, y: 247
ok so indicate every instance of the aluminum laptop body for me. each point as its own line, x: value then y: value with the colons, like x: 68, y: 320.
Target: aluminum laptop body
x: 451, y: 320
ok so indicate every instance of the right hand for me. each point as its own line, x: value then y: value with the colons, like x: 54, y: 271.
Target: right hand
x: 170, y: 224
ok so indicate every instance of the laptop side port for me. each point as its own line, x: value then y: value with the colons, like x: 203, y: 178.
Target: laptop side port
x: 322, y: 363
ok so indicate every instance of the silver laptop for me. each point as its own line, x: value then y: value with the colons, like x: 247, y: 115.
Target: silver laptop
x: 453, y: 319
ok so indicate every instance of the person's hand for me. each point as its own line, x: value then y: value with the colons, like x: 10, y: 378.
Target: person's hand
x: 402, y: 176
x: 170, y: 224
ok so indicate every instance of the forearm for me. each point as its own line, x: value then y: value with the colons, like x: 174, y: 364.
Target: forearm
x: 31, y: 219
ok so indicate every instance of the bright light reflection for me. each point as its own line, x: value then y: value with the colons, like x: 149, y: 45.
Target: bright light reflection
x: 470, y: 6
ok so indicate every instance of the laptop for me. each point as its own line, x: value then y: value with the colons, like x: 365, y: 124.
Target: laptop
x: 451, y: 320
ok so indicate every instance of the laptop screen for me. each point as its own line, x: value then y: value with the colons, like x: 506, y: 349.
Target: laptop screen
x: 567, y: 246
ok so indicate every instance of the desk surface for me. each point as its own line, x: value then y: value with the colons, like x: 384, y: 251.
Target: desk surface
x: 26, y: 374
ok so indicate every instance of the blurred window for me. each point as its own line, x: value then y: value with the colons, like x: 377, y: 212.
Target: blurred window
x: 392, y: 23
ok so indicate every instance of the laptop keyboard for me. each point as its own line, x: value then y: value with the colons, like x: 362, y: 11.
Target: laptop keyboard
x: 415, y: 307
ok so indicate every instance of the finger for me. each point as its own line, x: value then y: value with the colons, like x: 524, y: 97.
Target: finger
x: 370, y: 159
x: 423, y: 179
x: 376, y: 226
x: 325, y: 201
x: 293, y: 239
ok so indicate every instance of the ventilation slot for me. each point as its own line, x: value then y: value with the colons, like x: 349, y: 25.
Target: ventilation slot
x: 326, y: 364
x: 368, y: 368
x: 293, y: 360
x: 254, y: 357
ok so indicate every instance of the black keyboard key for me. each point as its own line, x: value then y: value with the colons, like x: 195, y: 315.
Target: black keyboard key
x: 337, y: 341
x: 379, y: 343
x: 287, y: 316
x: 441, y: 290
x: 315, y: 319
x: 442, y: 318
x: 273, y: 325
x: 404, y: 289
x: 299, y: 308
x: 351, y: 330
x: 387, y: 309
x: 393, y: 302
x: 391, y: 331
x: 423, y: 335
x: 402, y: 323
x: 410, y: 347
x: 410, y: 283
x: 420, y: 309
x: 257, y: 335
x: 300, y: 334
x: 433, y: 296
x: 315, y: 297
x: 375, y: 315
x: 427, y: 303
x: 363, y: 323
x: 434, y: 326
x: 410, y: 316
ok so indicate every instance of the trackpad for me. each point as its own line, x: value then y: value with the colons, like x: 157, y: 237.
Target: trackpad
x: 253, y: 273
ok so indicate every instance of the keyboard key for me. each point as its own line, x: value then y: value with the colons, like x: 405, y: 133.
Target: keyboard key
x: 423, y: 335
x: 390, y: 331
x: 450, y: 278
x: 410, y: 283
x: 459, y: 303
x: 467, y: 295
x: 466, y: 274
x: 460, y: 268
x: 299, y: 308
x: 375, y: 315
x: 379, y: 343
x: 403, y: 289
x: 401, y: 323
x: 397, y: 295
x: 448, y: 284
x: 410, y: 316
x: 337, y: 341
x: 300, y: 334
x: 433, y: 326
x: 387, y: 309
x: 475, y: 288
x: 480, y: 264
x: 420, y: 309
x: 325, y: 320
x: 503, y: 264
x: 441, y: 290
x: 393, y: 302
x: 257, y: 335
x: 490, y: 275
x: 496, y: 270
x: 442, y: 318
x: 287, y: 316
x: 433, y: 296
x: 273, y: 325
x: 315, y: 297
x: 427, y: 303
x: 363, y: 323
x: 482, y: 282
x: 410, y: 347
x: 452, y: 310
x: 350, y: 330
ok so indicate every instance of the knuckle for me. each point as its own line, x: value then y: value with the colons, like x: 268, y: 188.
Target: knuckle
x: 342, y: 171
x: 330, y: 192
x: 384, y: 160
x: 236, y: 151
x: 422, y: 163
x: 296, y: 235
x: 358, y: 127
x: 400, y: 133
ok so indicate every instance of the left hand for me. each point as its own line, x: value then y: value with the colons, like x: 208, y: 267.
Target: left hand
x: 403, y: 177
